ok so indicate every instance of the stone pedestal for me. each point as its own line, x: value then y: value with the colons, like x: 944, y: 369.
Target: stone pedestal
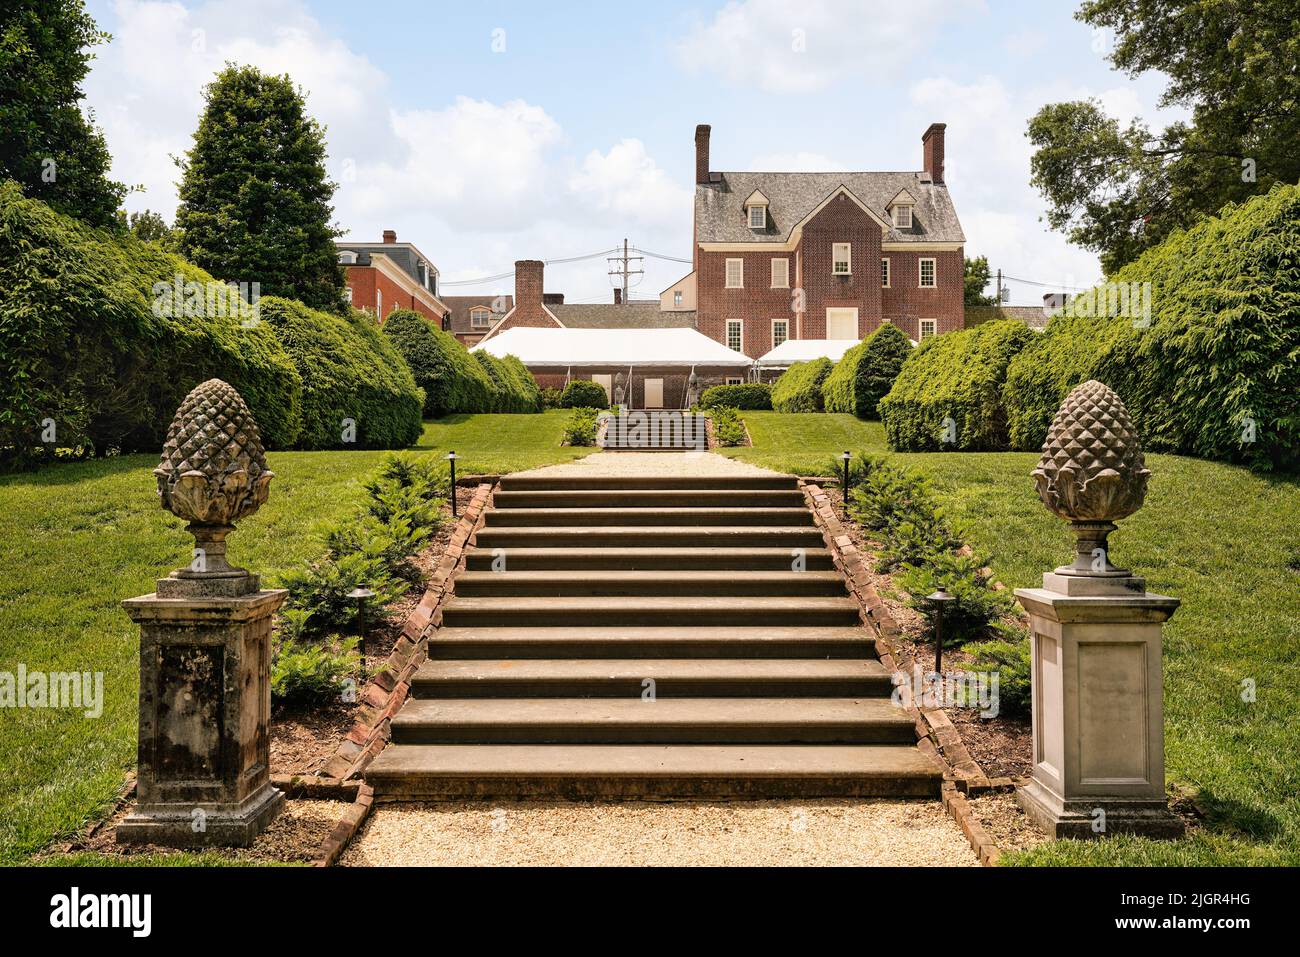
x: 205, y: 708
x: 1098, y: 715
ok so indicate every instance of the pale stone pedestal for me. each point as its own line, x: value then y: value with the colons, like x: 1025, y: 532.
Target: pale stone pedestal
x: 205, y: 707
x: 1098, y: 714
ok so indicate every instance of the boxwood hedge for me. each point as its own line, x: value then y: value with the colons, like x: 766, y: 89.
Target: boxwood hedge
x: 94, y: 340
x: 866, y: 373
x: 749, y: 395
x: 513, y: 388
x: 451, y: 379
x: 800, y: 387
x: 350, y: 371
x: 948, y: 394
x: 1215, y: 371
x: 583, y: 394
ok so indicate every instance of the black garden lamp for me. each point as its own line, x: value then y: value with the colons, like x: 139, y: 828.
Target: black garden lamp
x: 359, y: 595
x: 939, y: 600
x: 845, y: 457
x: 451, y: 458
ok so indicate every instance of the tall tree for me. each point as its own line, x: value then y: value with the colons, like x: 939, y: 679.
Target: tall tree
x: 976, y: 280
x: 1231, y: 64
x: 254, y: 195
x: 47, y: 144
x: 150, y: 227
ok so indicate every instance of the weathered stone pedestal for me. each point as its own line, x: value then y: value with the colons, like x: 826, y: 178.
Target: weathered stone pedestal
x: 205, y: 709
x: 1098, y: 715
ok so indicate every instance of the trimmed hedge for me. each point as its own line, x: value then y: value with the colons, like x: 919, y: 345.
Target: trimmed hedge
x: 513, y: 387
x: 451, y: 379
x: 83, y: 344
x: 349, y: 370
x: 1219, y: 362
x: 583, y: 394
x: 746, y: 397
x: 957, y: 376
x: 866, y: 373
x: 800, y: 387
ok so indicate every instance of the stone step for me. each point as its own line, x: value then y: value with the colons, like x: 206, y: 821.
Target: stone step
x: 616, y: 612
x: 571, y: 517
x: 634, y: 720
x: 522, y: 482
x: 650, y: 559
x: 650, y: 498
x: 639, y: 642
x: 672, y: 677
x: 640, y: 536
x: 669, y: 583
x: 503, y: 772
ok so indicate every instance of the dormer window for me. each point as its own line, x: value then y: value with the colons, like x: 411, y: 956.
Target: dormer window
x: 480, y: 317
x: 756, y: 210
x: 900, y: 209
x: 347, y: 257
x: 903, y: 217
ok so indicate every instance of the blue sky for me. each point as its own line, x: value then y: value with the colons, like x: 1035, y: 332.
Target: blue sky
x: 490, y: 132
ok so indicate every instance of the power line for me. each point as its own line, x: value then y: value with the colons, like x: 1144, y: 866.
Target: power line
x: 508, y: 275
x: 674, y: 259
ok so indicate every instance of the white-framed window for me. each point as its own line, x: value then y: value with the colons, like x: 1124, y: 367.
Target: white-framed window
x: 927, y: 273
x: 379, y: 304
x: 780, y: 331
x: 677, y: 297
x: 735, y: 337
x: 735, y: 274
x: 903, y: 217
x: 735, y: 380
x: 842, y: 323
x: 347, y: 257
x: 841, y: 259
x: 780, y: 273
x: 480, y: 317
x: 347, y: 295
x: 926, y: 329
x: 758, y: 217
x: 884, y: 272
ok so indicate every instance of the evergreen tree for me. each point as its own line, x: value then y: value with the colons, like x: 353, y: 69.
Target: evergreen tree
x: 47, y: 144
x: 254, y: 196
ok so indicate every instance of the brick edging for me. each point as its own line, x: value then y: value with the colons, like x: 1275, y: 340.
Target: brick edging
x: 937, y: 737
x: 384, y: 694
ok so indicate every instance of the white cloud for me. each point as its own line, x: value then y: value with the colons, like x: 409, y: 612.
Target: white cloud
x: 627, y: 183
x: 801, y: 46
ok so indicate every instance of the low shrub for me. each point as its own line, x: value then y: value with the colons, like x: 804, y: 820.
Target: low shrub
x: 313, y: 673
x: 799, y: 389
x: 977, y: 607
x: 1010, y: 660
x: 866, y: 373
x: 321, y: 588
x: 550, y: 398
x: 350, y: 371
x: 747, y: 396
x: 583, y: 394
x: 948, y: 395
x: 728, y: 428
x: 513, y: 388
x: 583, y: 427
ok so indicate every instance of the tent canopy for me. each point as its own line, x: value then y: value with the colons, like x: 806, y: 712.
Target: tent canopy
x: 562, y: 348
x: 802, y: 350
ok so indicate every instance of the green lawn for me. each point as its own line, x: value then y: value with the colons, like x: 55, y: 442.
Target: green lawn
x: 77, y: 538
x: 1216, y: 536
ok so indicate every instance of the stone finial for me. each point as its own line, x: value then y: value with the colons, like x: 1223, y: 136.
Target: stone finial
x: 213, y: 472
x: 1092, y: 473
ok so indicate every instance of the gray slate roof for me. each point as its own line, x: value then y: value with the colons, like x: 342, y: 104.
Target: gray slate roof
x: 720, y: 213
x: 404, y: 254
x: 637, y: 314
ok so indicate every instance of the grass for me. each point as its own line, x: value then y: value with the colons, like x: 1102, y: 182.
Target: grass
x: 77, y: 538
x: 1217, y: 537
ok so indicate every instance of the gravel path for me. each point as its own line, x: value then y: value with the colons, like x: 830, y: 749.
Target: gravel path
x: 753, y: 833
x: 651, y: 463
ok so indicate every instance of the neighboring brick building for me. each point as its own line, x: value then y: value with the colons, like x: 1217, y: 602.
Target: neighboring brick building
x: 472, y: 316
x: 824, y: 255
x: 390, y: 275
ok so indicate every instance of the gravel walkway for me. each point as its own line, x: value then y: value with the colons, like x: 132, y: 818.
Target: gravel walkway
x: 749, y: 833
x: 651, y: 463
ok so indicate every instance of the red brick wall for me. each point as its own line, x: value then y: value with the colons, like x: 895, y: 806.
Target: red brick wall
x: 757, y: 304
x: 529, y: 309
x: 906, y: 303
x: 842, y: 221
x: 363, y: 281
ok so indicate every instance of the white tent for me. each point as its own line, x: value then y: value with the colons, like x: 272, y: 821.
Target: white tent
x: 802, y: 350
x: 562, y: 348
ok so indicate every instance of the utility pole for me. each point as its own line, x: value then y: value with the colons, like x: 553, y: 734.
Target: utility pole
x: 619, y: 267
x: 997, y: 294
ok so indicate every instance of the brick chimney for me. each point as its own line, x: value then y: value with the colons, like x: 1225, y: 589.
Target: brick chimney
x: 932, y: 150
x: 702, y: 153
x: 618, y: 297
x: 529, y: 310
x: 390, y: 235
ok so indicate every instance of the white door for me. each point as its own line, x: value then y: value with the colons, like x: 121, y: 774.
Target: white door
x: 842, y: 324
x: 654, y: 393
x: 606, y: 382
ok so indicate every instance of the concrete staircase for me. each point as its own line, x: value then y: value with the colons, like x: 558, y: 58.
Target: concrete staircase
x: 648, y: 637
x: 654, y: 430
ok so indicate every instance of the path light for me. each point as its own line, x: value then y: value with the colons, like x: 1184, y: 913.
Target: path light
x: 845, y: 457
x: 359, y: 595
x: 939, y: 600
x: 452, y: 457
